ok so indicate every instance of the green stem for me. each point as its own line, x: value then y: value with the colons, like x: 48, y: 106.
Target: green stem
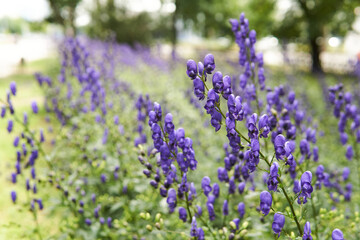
x: 315, y: 219
x: 291, y: 206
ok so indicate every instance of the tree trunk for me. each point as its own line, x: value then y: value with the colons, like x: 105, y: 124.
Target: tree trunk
x: 72, y: 22
x: 174, y: 30
x: 315, y: 56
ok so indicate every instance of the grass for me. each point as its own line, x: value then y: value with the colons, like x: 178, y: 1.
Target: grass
x: 16, y: 221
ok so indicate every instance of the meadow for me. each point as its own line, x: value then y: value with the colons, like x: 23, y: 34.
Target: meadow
x: 119, y: 143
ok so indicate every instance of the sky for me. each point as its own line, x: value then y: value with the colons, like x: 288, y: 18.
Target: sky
x: 32, y: 10
x: 35, y: 10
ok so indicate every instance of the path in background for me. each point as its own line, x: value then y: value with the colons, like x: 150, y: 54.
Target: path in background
x: 30, y: 47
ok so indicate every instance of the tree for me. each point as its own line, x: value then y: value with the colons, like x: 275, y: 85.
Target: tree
x: 210, y: 18
x: 309, y: 20
x: 109, y: 20
x: 63, y: 12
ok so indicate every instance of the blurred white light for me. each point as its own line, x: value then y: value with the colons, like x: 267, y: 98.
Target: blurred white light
x: 33, y: 10
x: 144, y: 5
x: 82, y: 20
x: 168, y: 7
x: 334, y: 42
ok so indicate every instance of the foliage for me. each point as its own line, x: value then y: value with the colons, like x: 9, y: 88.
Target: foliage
x: 126, y: 150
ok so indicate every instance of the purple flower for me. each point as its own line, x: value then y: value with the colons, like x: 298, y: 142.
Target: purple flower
x: 272, y: 181
x: 201, y: 68
x: 251, y: 125
x: 109, y: 222
x: 199, y: 88
x: 42, y: 138
x: 33, y: 173
x: 182, y: 214
x: 88, y: 221
x: 297, y: 187
x: 316, y: 153
x: 13, y: 196
x: 234, y: 24
x: 205, y: 185
x: 41, y: 206
x: 278, y: 223
x: 223, y: 175
x: 306, y: 187
x: 241, y: 187
x: 16, y: 141
x: 346, y: 173
x: 235, y: 107
x: 232, y: 185
x: 34, y: 107
x: 194, y: 230
x: 217, y: 81
x: 201, y: 234
x: 307, y: 232
x: 3, y: 111
x: 169, y: 126
x: 103, y: 178
x: 216, y: 190
x: 225, y: 208
x: 337, y: 235
x: 13, y: 177
x: 343, y: 138
x: 13, y: 88
x: 227, y: 87
x: 279, y: 144
x: 198, y: 211
x: 211, y: 211
x: 10, y: 126
x: 305, y: 148
x: 349, y: 152
x: 265, y: 202
x: 264, y: 126
x: 209, y: 63
x: 171, y: 200
x: 191, y: 69
x: 241, y: 209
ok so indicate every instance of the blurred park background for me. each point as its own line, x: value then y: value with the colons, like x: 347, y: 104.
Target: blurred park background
x: 321, y: 35
x: 318, y: 39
